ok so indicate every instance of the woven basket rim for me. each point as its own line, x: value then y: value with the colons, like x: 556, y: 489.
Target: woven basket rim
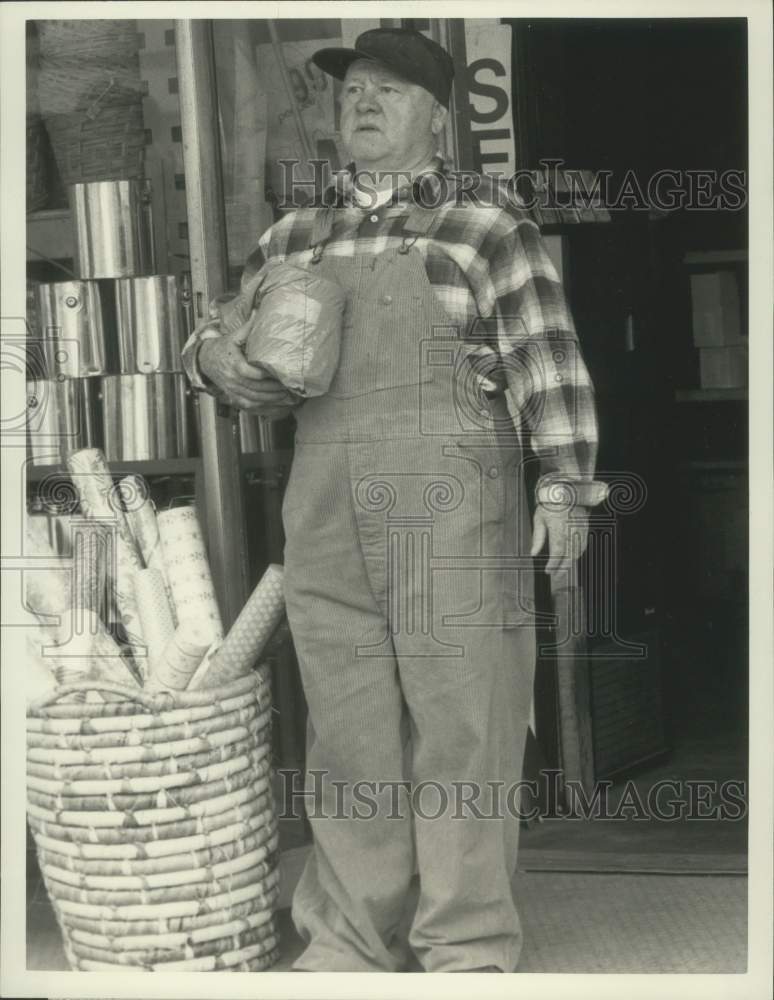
x: 118, y: 723
x: 147, y: 736
x: 159, y: 701
x: 140, y: 753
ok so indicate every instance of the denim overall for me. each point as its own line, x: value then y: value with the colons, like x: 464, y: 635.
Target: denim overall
x: 415, y: 641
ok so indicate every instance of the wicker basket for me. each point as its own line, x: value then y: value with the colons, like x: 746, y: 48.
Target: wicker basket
x: 37, y: 163
x: 90, y: 95
x: 155, y: 828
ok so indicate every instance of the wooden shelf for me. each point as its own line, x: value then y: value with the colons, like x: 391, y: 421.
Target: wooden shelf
x: 168, y: 466
x: 708, y: 257
x: 710, y: 395
x: 154, y: 467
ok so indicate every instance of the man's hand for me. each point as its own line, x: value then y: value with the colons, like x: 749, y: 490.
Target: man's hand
x: 222, y: 360
x: 567, y: 532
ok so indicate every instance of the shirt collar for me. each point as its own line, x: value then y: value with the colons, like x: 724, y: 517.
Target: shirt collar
x: 426, y: 188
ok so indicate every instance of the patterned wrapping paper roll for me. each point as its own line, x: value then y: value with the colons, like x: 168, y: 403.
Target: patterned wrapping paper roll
x: 89, y: 565
x: 188, y: 571
x: 39, y: 677
x: 141, y: 517
x: 182, y: 655
x: 99, y: 499
x: 158, y: 626
x: 249, y: 634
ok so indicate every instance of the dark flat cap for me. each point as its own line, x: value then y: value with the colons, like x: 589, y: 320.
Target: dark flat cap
x: 408, y: 53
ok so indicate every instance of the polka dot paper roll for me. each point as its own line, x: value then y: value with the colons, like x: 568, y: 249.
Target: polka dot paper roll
x: 240, y: 650
x: 188, y: 571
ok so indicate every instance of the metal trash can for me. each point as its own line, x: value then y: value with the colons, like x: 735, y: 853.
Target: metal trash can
x: 72, y: 328
x: 112, y: 229
x: 146, y: 417
x: 149, y: 324
x: 62, y: 416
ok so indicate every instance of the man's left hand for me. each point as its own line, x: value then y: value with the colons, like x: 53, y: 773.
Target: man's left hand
x: 567, y: 532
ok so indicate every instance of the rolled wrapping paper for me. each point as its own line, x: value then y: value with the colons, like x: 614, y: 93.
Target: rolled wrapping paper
x: 47, y: 590
x: 188, y: 572
x: 89, y: 556
x: 85, y: 651
x: 39, y: 677
x: 98, y: 499
x: 141, y: 517
x: 249, y: 634
x: 158, y: 626
x: 180, y: 658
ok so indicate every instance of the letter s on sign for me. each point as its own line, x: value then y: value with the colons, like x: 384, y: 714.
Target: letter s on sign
x: 495, y: 93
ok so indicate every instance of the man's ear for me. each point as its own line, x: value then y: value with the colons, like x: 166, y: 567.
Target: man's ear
x: 438, y: 118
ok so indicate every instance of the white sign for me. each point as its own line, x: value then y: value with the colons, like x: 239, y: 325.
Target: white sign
x: 488, y: 47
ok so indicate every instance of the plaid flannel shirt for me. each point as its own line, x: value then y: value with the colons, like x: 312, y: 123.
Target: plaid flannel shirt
x: 489, y: 268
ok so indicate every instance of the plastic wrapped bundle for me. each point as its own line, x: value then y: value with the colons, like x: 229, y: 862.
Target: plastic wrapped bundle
x: 296, y: 331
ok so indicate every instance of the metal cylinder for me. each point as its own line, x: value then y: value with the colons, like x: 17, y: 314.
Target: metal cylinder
x: 71, y: 325
x: 256, y: 434
x: 111, y: 228
x: 149, y: 324
x: 145, y: 417
x: 61, y: 417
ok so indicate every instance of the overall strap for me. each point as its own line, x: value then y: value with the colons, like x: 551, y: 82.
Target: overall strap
x: 322, y: 227
x: 417, y: 223
x: 419, y: 220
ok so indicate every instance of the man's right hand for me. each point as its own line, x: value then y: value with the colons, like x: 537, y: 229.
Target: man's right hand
x: 241, y: 384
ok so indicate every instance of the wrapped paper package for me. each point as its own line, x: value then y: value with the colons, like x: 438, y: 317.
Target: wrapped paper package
x: 188, y: 571
x: 296, y: 332
x: 249, y: 634
x: 158, y: 626
x: 99, y: 500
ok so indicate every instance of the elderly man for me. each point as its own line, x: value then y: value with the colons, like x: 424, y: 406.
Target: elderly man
x: 408, y: 569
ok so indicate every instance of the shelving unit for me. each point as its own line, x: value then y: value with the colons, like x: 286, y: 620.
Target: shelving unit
x: 710, y: 395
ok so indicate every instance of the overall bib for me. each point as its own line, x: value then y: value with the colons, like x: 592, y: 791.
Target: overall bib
x: 415, y: 643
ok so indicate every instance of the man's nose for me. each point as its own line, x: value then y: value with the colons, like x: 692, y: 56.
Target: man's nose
x: 367, y: 100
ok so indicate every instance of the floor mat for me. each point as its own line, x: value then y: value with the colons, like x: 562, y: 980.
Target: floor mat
x: 632, y: 923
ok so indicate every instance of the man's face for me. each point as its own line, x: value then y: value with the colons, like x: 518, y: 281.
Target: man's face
x: 386, y: 122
